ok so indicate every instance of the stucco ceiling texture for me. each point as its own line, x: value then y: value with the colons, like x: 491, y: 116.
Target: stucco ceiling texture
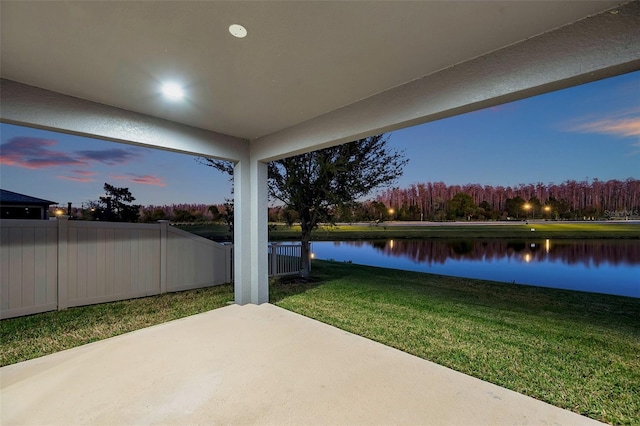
x: 298, y: 61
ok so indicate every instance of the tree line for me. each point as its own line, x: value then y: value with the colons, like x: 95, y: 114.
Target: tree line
x: 116, y: 205
x: 570, y: 200
x: 187, y: 213
x: 432, y: 201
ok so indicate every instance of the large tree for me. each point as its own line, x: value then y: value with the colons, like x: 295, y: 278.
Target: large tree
x: 461, y: 205
x: 114, y: 205
x: 316, y: 183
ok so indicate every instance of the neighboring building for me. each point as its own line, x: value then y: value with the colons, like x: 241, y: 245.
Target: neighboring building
x: 20, y: 206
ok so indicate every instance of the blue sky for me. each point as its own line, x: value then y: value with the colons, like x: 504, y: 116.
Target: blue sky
x: 589, y: 131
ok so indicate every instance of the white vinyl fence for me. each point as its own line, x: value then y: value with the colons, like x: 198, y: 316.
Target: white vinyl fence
x: 49, y: 265
x: 285, y: 258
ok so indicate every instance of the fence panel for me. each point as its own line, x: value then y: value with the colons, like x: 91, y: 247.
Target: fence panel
x: 28, y: 267
x: 109, y: 261
x: 48, y: 265
x: 284, y: 259
x: 194, y: 262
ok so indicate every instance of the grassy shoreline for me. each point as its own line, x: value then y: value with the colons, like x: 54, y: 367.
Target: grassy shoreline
x: 520, y: 230
x: 575, y: 350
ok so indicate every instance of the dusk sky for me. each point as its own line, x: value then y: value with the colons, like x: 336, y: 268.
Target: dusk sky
x: 589, y: 131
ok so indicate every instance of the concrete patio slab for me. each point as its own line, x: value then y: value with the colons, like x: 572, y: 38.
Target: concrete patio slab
x: 254, y: 365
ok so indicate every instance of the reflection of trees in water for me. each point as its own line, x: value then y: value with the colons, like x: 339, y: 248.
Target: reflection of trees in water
x: 587, y: 252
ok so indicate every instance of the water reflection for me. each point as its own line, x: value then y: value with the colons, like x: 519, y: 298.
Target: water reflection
x: 603, y: 266
x: 437, y: 251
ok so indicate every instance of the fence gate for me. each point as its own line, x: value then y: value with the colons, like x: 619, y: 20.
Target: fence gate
x: 285, y: 258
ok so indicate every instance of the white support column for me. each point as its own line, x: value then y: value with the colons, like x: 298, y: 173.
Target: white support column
x: 250, y: 233
x: 259, y: 231
x: 241, y: 233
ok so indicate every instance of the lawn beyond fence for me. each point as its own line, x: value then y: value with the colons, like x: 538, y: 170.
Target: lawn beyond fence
x: 512, y: 230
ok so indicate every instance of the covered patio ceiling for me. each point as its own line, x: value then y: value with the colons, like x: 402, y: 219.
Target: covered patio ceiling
x: 299, y: 60
x: 308, y: 74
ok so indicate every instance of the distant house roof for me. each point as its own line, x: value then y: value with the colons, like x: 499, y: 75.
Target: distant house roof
x: 10, y: 197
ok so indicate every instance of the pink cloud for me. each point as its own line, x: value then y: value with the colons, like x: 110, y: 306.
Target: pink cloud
x: 84, y: 172
x: 33, y: 153
x: 149, y: 180
x: 37, y: 153
x: 76, y: 179
x: 81, y: 176
x: 141, y: 179
x: 621, y: 123
x: 613, y: 126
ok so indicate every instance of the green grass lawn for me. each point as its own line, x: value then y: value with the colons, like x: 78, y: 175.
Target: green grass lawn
x: 520, y: 230
x: 37, y: 335
x: 575, y: 350
x: 578, y: 351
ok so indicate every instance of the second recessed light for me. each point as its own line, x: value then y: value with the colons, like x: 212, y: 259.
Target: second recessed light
x: 238, y: 30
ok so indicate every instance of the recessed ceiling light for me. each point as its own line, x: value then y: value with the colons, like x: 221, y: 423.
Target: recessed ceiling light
x: 238, y: 30
x: 172, y: 91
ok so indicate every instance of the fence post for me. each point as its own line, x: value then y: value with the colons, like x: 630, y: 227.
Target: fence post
x: 164, y: 241
x: 274, y: 259
x: 63, y: 264
x: 228, y: 262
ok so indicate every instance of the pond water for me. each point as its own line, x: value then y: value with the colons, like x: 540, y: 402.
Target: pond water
x: 600, y: 266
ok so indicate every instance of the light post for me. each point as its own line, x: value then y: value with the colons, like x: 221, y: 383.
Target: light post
x: 547, y: 209
x: 526, y: 208
x: 391, y: 211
